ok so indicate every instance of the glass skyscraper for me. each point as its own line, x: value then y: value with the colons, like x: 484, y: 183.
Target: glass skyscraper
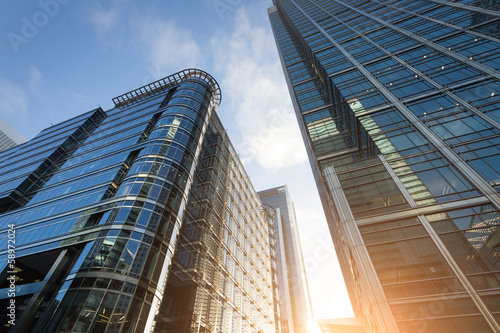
x: 296, y: 312
x: 136, y: 219
x: 398, y: 105
x: 9, y: 137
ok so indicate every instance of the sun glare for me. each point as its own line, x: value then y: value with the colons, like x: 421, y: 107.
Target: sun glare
x: 313, y: 328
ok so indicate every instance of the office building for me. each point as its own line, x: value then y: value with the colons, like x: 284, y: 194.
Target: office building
x: 398, y: 106
x: 296, y: 312
x: 9, y: 137
x: 136, y: 219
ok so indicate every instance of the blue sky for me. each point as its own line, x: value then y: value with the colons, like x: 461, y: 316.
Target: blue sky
x: 60, y: 58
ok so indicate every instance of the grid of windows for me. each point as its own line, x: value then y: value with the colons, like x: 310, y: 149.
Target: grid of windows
x: 103, y: 204
x: 418, y: 83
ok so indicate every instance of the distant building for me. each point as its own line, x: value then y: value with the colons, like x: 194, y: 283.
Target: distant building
x: 398, y: 103
x: 271, y: 215
x: 9, y: 137
x: 296, y: 312
x: 140, y: 218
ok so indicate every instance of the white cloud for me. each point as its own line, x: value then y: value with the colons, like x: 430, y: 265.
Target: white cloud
x: 13, y: 100
x: 103, y: 19
x: 35, y: 78
x: 252, y: 80
x: 168, y: 47
x: 164, y: 46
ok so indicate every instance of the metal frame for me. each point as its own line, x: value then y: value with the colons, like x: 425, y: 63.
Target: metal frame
x: 467, y: 7
x: 467, y: 171
x: 168, y: 82
x: 445, y: 252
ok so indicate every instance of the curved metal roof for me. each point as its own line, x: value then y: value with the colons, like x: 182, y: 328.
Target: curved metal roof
x: 168, y: 82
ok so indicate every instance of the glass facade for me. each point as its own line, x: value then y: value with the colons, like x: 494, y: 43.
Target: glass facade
x: 136, y: 219
x: 296, y: 311
x: 398, y: 105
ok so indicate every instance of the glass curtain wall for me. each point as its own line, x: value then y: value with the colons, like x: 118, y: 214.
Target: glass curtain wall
x: 104, y: 203
x: 398, y: 105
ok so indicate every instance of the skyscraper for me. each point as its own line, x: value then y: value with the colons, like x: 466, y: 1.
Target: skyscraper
x: 296, y: 312
x: 398, y: 105
x: 136, y: 219
x: 9, y: 137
